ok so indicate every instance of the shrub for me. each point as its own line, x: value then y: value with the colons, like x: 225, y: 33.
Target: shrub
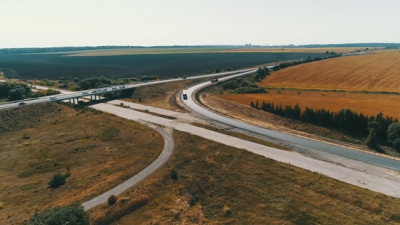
x: 112, y: 200
x: 371, y: 140
x: 393, y: 133
x: 58, y: 180
x: 174, y: 174
x: 396, y: 144
x: 243, y: 90
x: 60, y: 215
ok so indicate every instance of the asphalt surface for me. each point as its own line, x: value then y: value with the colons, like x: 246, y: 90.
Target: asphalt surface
x: 161, y: 159
x: 360, y: 174
x: 305, y: 142
x: 65, y: 95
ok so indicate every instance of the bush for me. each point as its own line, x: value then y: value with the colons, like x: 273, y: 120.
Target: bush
x: 61, y: 215
x: 58, y: 180
x: 174, y: 174
x: 393, y: 132
x: 243, y: 90
x: 396, y: 144
x: 112, y: 200
x: 371, y: 140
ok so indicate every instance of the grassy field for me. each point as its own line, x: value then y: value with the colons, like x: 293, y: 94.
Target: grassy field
x: 39, y: 141
x: 218, y: 184
x: 368, y: 104
x: 54, y: 66
x: 374, y: 72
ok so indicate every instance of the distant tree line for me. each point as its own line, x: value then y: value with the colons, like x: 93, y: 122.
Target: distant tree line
x: 347, y: 45
x: 345, y: 119
x: 307, y: 60
x: 9, y: 51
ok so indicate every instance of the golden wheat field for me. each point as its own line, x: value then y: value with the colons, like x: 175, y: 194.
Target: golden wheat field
x: 377, y: 71
x: 369, y: 104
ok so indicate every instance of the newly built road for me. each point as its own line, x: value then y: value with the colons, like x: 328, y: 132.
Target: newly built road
x: 361, y: 156
x: 367, y: 176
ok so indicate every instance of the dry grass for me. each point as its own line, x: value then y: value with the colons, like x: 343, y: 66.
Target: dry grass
x: 101, y: 150
x: 299, y: 50
x: 222, y: 185
x: 369, y: 104
x: 374, y: 72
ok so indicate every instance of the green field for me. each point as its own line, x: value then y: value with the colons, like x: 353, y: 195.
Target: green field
x: 126, y: 63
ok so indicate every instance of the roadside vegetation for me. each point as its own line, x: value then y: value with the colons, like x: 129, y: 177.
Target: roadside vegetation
x: 54, y: 155
x: 205, y: 183
x: 345, y: 120
x: 12, y: 91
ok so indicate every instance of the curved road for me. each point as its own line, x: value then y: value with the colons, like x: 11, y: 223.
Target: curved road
x: 309, y: 143
x: 161, y: 159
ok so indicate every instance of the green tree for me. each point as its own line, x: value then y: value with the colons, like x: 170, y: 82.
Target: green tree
x: 76, y: 80
x: 17, y: 93
x: 393, y: 134
x: 371, y: 140
x: 174, y: 174
x: 58, y: 180
x: 62, y: 215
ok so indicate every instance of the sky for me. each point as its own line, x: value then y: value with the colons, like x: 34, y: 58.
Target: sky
x: 49, y: 23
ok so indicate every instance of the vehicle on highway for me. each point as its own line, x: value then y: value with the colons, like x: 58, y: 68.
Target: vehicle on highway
x: 53, y: 98
x: 114, y: 88
x: 22, y: 103
x: 214, y: 80
x: 85, y: 93
x: 105, y: 89
x: 184, y: 95
x: 184, y: 77
x: 94, y: 91
x: 122, y: 87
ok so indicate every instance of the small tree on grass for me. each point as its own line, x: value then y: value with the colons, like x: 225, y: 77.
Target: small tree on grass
x: 371, y: 139
x: 393, y: 134
x: 174, y: 174
x: 112, y: 200
x: 61, y: 215
x: 58, y: 180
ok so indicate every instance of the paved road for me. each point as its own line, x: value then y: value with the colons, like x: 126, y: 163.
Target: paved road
x: 79, y: 94
x: 296, y: 140
x: 161, y: 159
x: 365, y: 175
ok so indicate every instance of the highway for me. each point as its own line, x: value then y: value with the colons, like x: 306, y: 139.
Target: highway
x: 365, y: 157
x: 99, y: 91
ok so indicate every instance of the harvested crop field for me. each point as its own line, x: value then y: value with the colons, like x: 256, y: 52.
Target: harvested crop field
x: 377, y: 71
x: 38, y: 141
x: 368, y: 104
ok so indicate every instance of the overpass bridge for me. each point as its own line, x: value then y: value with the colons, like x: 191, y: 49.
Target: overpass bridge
x: 94, y: 94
